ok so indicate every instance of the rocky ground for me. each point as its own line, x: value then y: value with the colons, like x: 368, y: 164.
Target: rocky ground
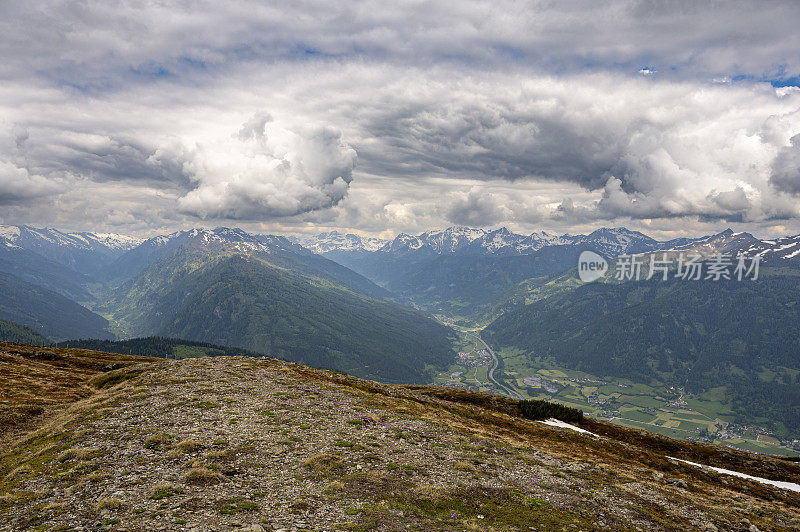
x: 235, y: 443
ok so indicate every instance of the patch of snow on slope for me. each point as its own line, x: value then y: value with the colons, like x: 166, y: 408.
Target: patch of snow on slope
x: 560, y: 424
x: 785, y: 246
x: 10, y: 232
x: 792, y: 254
x: 778, y: 483
x: 113, y: 240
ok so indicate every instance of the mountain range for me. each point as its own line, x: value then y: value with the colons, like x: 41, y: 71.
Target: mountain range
x: 469, y: 274
x: 266, y: 294
x: 83, y: 252
x: 258, y: 292
x: 461, y: 271
x: 358, y: 305
x: 500, y: 242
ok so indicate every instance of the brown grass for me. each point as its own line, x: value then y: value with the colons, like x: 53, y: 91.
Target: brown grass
x: 202, y: 476
x: 190, y: 446
x: 324, y: 464
x: 112, y: 503
x: 34, y: 379
x: 158, y: 441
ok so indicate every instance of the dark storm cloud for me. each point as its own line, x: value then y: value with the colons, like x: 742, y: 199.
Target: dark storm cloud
x: 77, y: 42
x: 104, y: 157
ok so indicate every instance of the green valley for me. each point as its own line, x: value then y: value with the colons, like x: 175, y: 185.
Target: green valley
x: 660, y: 408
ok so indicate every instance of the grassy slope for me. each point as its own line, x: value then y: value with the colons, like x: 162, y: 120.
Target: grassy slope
x: 157, y: 346
x: 272, y: 440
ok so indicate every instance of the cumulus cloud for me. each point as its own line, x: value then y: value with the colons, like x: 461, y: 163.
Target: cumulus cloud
x: 479, y: 113
x: 650, y: 149
x: 786, y: 168
x: 481, y: 206
x: 477, y: 207
x: 267, y: 171
x: 18, y: 185
x: 101, y: 156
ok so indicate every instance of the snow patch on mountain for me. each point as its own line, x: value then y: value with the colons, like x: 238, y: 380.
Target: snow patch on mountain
x: 336, y: 241
x: 451, y: 239
x: 9, y: 232
x: 234, y: 239
x: 110, y: 241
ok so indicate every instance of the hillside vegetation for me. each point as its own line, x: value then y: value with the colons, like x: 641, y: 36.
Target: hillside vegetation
x: 467, y: 286
x: 48, y: 313
x: 157, y: 346
x: 699, y: 335
x: 254, y: 443
x: 14, y: 332
x: 251, y: 303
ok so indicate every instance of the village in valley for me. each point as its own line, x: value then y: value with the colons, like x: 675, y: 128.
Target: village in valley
x: 670, y: 411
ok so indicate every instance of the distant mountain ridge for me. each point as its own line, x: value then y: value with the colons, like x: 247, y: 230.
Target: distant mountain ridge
x: 220, y: 239
x: 47, y: 239
x: 465, y: 268
x: 62, y: 247
x: 499, y: 242
x: 336, y: 241
x: 223, y: 240
x: 470, y: 272
x: 48, y: 313
x: 84, y: 252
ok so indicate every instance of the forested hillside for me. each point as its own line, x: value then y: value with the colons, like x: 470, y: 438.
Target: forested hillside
x: 157, y: 346
x: 47, y: 312
x: 21, y: 334
x: 249, y: 302
x: 701, y: 335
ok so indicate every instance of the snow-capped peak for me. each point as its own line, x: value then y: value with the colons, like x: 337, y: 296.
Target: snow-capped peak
x: 109, y: 240
x: 336, y: 241
x: 232, y: 239
x: 9, y: 232
x: 451, y: 239
x: 47, y: 240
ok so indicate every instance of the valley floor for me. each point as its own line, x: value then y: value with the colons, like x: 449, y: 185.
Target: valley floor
x: 243, y: 443
x: 660, y: 409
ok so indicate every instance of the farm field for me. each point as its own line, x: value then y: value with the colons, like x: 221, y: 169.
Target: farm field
x: 663, y: 410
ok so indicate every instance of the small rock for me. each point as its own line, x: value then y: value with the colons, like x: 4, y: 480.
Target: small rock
x: 753, y: 528
x: 658, y: 476
x: 710, y: 527
x: 677, y: 482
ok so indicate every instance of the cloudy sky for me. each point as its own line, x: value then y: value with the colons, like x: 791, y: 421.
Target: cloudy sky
x: 378, y: 117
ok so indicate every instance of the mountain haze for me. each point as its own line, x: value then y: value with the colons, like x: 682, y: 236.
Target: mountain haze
x: 48, y: 313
